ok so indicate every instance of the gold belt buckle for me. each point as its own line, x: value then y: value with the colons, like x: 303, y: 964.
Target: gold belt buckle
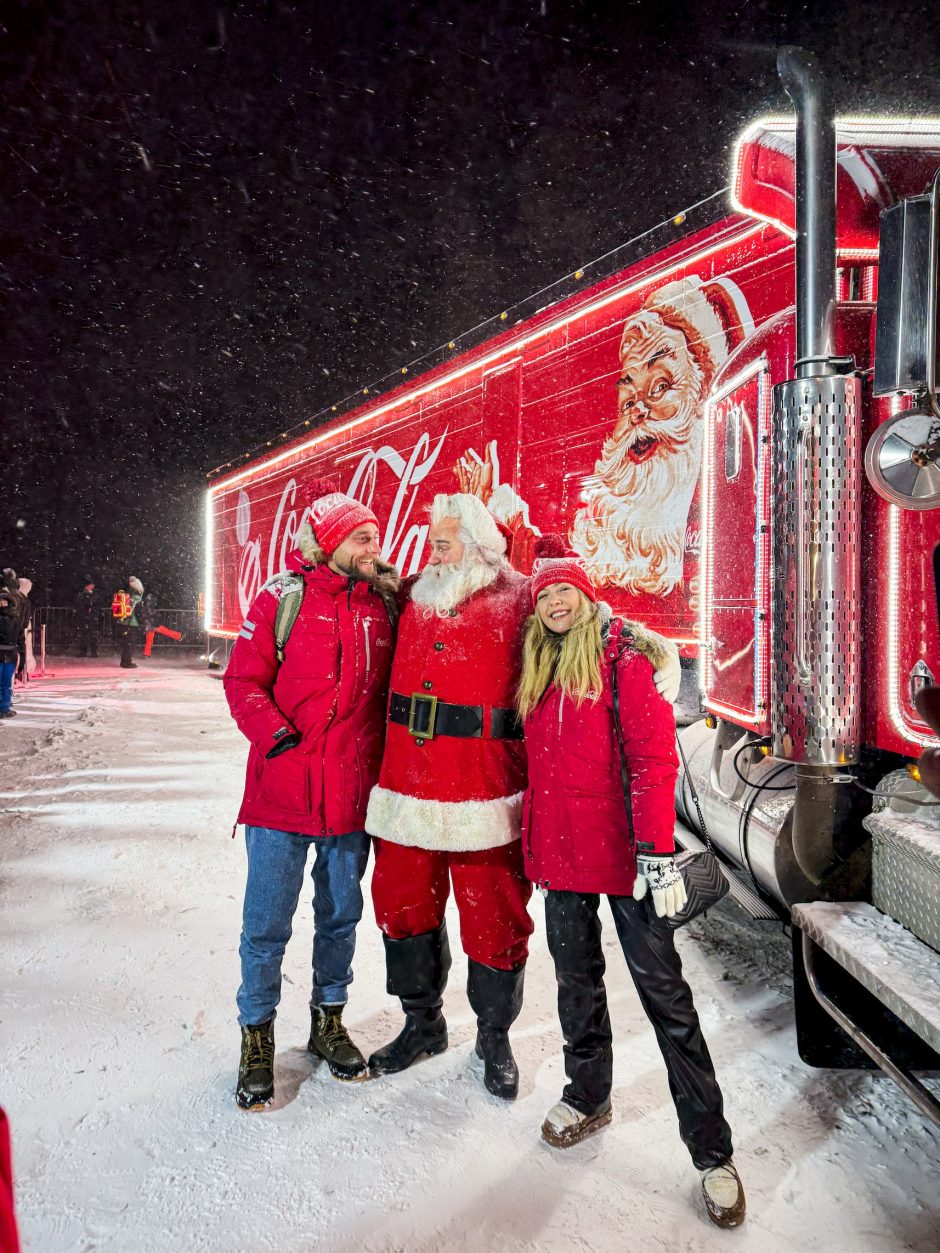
x: 417, y: 697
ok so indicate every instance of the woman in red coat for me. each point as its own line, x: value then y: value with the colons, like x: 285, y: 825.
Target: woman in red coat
x: 577, y: 844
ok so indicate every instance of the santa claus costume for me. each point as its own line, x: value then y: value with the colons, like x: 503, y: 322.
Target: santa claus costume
x: 447, y: 807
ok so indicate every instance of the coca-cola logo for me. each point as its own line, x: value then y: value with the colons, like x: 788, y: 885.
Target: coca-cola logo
x: 401, y: 544
x: 402, y: 541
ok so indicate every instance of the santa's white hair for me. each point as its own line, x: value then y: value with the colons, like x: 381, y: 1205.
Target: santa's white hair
x: 441, y: 588
x: 477, y: 525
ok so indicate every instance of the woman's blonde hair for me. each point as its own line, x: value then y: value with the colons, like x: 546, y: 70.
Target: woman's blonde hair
x: 571, y: 661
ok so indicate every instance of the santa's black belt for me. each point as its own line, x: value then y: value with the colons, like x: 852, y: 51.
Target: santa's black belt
x: 426, y: 716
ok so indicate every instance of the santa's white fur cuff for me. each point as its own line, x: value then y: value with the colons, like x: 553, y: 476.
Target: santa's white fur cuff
x: 444, y: 826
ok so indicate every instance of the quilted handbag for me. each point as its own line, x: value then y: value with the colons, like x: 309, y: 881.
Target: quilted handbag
x: 705, y: 881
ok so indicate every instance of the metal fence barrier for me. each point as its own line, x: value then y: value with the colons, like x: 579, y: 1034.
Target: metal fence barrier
x: 63, y: 634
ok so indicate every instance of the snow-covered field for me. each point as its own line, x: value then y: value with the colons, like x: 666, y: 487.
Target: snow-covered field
x: 120, y: 893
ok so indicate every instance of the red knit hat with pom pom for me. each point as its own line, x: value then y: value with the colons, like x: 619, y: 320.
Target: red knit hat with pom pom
x: 555, y: 563
x: 334, y: 515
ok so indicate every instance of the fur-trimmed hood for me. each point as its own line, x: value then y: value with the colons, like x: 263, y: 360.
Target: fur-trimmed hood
x: 660, y: 652
x: 387, y: 580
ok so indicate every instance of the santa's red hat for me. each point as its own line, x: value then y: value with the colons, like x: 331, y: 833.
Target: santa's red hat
x: 713, y: 317
x: 334, y: 515
x: 554, y: 563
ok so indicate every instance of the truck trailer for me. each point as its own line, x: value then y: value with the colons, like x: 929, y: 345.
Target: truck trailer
x: 738, y: 431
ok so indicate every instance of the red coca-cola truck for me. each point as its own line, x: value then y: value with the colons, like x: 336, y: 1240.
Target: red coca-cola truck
x: 738, y: 432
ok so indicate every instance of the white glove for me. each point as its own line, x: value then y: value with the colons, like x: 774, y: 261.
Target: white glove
x: 669, y: 677
x: 664, y: 881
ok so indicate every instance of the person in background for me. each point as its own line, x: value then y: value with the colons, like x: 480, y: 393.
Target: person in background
x: 129, y: 623
x: 88, y: 611
x: 27, y: 662
x: 11, y: 641
x: 23, y: 610
x: 580, y: 842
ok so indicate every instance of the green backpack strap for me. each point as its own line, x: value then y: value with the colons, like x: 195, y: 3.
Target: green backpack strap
x: 288, y: 608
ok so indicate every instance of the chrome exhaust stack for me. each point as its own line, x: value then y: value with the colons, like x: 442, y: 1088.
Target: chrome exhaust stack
x: 816, y: 645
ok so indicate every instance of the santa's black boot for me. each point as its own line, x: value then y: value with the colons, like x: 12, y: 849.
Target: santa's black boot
x: 495, y: 997
x: 256, y: 1066
x: 416, y: 973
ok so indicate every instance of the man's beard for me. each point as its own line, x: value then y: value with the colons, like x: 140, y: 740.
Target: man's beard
x: 442, y: 588
x: 631, y: 530
x: 353, y: 572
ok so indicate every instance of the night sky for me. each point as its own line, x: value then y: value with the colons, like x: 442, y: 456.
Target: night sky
x: 217, y: 219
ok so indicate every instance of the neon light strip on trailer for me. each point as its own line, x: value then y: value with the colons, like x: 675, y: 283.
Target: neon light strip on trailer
x: 514, y: 346
x: 207, y: 567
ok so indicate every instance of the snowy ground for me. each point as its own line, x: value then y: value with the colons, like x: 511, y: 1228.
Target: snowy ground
x: 120, y: 890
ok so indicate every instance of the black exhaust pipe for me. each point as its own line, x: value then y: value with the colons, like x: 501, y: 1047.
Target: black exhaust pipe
x: 815, y: 211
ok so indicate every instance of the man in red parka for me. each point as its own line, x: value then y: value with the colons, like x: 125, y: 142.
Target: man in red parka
x: 312, y: 707
x: 447, y: 808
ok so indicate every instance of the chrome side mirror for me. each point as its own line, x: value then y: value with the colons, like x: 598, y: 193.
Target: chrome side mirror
x: 902, y: 459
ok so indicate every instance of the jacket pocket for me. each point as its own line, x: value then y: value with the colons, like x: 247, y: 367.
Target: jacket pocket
x: 285, y: 781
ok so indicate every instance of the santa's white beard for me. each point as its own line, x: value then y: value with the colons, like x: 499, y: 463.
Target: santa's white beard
x: 442, y: 588
x: 631, y: 530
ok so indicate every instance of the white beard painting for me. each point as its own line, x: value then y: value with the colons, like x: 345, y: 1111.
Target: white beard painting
x: 631, y: 531
x: 631, y: 527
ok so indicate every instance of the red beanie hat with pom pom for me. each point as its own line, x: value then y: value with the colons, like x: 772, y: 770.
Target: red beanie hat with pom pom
x: 334, y: 515
x: 554, y: 563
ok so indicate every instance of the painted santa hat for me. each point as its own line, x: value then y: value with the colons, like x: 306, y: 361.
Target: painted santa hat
x: 554, y: 563
x: 334, y: 515
x: 713, y: 317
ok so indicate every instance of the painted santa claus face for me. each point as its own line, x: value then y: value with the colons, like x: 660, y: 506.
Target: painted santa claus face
x: 658, y: 378
x: 631, y: 530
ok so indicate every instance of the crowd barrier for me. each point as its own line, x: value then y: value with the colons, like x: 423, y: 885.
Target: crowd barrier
x: 59, y: 625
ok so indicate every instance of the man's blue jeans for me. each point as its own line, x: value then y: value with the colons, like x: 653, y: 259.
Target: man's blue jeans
x: 276, y: 864
x: 7, y: 670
